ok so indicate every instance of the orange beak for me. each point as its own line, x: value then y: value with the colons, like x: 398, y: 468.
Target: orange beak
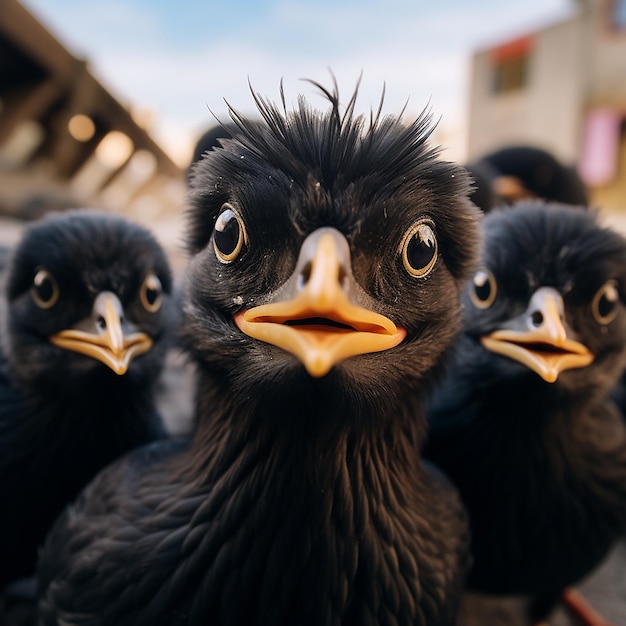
x: 103, y: 338
x: 543, y: 345
x: 317, y: 321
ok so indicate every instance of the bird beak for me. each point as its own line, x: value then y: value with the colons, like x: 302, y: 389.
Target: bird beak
x: 511, y: 189
x: 101, y: 335
x: 318, y: 315
x: 538, y: 338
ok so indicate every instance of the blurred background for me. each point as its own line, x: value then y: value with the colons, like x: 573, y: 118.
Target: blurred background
x: 102, y: 102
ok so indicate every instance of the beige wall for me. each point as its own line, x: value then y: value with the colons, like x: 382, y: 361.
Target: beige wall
x: 547, y: 113
x: 491, y: 123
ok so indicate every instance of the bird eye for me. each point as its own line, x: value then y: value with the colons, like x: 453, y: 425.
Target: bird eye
x: 151, y: 293
x: 604, y: 304
x: 229, y: 234
x: 45, y: 291
x: 419, y: 249
x: 484, y: 289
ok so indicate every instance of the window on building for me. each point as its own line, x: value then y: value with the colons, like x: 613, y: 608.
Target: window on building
x: 511, y: 65
x: 510, y: 74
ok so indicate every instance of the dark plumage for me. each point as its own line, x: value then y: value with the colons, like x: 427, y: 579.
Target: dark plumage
x: 483, y: 194
x: 64, y: 412
x: 302, y: 498
x: 521, y: 172
x: 209, y: 140
x: 523, y: 423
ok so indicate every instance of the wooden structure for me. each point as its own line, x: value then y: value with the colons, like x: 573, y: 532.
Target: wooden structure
x: 65, y: 137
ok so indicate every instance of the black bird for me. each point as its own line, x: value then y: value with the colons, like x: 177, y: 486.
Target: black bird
x: 483, y: 193
x: 328, y: 254
x: 86, y: 319
x: 523, y: 423
x: 209, y: 140
x: 520, y: 172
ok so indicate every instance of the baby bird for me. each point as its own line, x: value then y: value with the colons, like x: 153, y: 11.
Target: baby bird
x: 85, y: 329
x: 523, y: 423
x: 519, y: 172
x: 328, y: 256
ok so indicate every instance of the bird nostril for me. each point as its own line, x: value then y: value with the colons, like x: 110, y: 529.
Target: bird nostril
x: 343, y: 276
x: 304, y: 276
x: 537, y: 318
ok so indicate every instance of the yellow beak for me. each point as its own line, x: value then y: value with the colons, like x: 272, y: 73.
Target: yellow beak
x: 318, y: 323
x: 105, y: 340
x: 544, y: 347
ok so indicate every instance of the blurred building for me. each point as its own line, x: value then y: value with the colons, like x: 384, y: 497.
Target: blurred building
x: 563, y: 89
x: 65, y: 140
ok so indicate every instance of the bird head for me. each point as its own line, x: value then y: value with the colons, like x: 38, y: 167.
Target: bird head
x: 326, y: 249
x: 549, y: 295
x: 87, y: 291
x: 522, y: 172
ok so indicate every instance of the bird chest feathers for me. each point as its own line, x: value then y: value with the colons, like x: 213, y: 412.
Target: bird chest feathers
x: 271, y: 541
x: 562, y: 484
x: 335, y: 547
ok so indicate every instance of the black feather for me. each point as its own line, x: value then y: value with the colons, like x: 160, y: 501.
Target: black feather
x: 540, y: 466
x: 534, y: 173
x: 300, y: 500
x: 64, y: 415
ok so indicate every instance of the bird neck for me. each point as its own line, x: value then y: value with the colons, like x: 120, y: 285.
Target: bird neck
x: 109, y: 407
x: 312, y: 429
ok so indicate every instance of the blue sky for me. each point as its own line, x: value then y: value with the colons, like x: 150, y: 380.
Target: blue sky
x: 181, y: 60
